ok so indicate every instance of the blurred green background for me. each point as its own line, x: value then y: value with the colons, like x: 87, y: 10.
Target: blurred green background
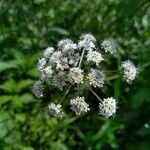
x: 29, y: 26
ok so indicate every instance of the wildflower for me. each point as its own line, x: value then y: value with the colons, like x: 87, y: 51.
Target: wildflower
x: 88, y: 37
x: 129, y: 69
x: 94, y: 56
x: 37, y: 88
x: 109, y: 46
x: 96, y: 78
x: 67, y: 45
x: 75, y: 75
x: 46, y: 72
x: 48, y: 52
x: 87, y: 41
x: 41, y: 63
x: 73, y: 60
x: 78, y: 105
x: 62, y: 63
x: 55, y: 57
x: 59, y: 80
x: 107, y: 107
x: 55, y: 110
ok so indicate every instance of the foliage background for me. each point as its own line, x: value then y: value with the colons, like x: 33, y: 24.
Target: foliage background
x: 29, y: 26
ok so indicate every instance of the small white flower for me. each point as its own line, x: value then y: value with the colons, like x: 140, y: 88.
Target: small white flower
x: 94, y: 56
x: 109, y: 46
x: 79, y: 106
x: 37, y: 88
x: 41, y: 64
x: 88, y: 37
x: 96, y: 78
x: 48, y: 52
x: 59, y: 80
x: 107, y: 107
x: 129, y: 69
x: 75, y: 75
x: 62, y: 63
x: 46, y: 72
x: 55, y: 57
x: 74, y: 60
x: 55, y: 110
x: 67, y: 45
x: 87, y: 41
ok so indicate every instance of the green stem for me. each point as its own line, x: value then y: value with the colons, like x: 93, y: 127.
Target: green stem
x: 112, y: 77
x: 65, y: 94
x: 96, y: 95
x: 81, y: 58
x: 82, y: 55
x: 107, y: 71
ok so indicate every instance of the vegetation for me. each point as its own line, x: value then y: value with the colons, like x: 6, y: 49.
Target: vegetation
x: 29, y: 26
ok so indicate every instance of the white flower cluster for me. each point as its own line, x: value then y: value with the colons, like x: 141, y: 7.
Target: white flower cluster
x: 129, y: 69
x: 77, y: 65
x: 94, y: 56
x: 87, y: 42
x: 79, y: 106
x: 75, y: 75
x: 96, y: 78
x: 109, y: 46
x: 55, y: 110
x: 107, y: 107
x: 38, y: 89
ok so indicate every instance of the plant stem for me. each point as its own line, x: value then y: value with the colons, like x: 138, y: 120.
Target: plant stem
x: 96, y: 95
x: 112, y: 77
x: 82, y: 55
x: 66, y: 94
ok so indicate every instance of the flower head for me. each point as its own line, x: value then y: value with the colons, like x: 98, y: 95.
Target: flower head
x: 75, y: 75
x: 129, y: 69
x: 55, y: 110
x: 37, y: 88
x: 109, y: 46
x: 46, y: 72
x: 74, y: 60
x: 55, y: 57
x: 59, y: 80
x: 62, y: 63
x: 78, y: 105
x: 41, y: 64
x: 94, y: 56
x: 67, y: 45
x: 88, y: 37
x: 96, y: 78
x: 107, y: 107
x: 87, y: 41
x: 48, y: 52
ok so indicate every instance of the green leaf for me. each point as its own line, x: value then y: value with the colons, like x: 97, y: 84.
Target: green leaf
x: 5, y: 99
x: 33, y: 73
x: 7, y: 65
x: 26, y: 98
x: 23, y: 84
x: 59, y: 30
x: 140, y: 96
x: 12, y: 86
x: 8, y: 86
